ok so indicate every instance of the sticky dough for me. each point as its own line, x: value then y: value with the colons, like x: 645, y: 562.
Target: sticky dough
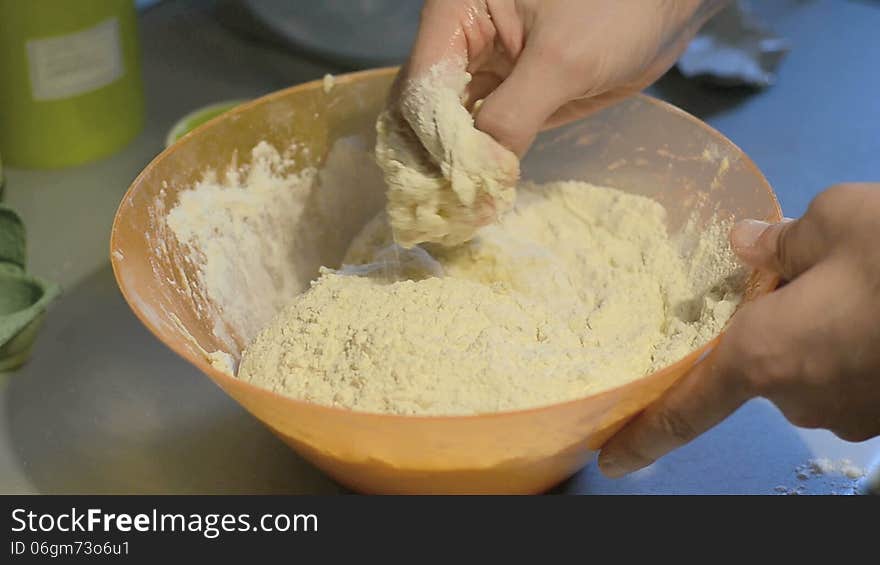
x: 445, y: 178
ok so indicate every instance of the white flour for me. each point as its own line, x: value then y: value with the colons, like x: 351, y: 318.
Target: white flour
x: 258, y: 233
x: 240, y: 225
x: 578, y: 289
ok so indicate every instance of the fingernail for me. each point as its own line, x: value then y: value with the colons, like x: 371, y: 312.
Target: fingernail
x: 747, y: 232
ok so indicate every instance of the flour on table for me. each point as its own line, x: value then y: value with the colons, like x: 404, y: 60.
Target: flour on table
x: 577, y: 289
x: 825, y: 476
x: 825, y: 466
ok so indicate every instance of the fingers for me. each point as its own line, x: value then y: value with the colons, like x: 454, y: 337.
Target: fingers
x: 815, y: 373
x: 481, y: 85
x: 753, y: 350
x: 801, y: 347
x: 791, y: 247
x: 787, y: 248
x: 583, y: 107
x: 706, y: 396
x: 441, y: 36
x: 518, y: 108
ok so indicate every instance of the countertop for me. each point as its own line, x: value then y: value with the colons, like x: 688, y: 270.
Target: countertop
x: 103, y: 407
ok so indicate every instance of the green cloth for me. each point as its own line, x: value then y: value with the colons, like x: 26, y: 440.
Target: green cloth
x: 23, y: 298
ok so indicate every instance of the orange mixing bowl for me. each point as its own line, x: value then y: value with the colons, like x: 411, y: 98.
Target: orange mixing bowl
x: 641, y: 145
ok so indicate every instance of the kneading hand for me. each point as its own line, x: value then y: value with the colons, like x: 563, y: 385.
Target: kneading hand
x: 542, y: 63
x: 532, y: 64
x: 812, y: 347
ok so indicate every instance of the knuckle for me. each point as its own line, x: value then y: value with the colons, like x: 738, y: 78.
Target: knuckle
x: 502, y: 125
x: 857, y: 427
x: 802, y: 410
x: 598, y: 75
x: 805, y: 418
x: 767, y: 369
x: 818, y: 368
x: 569, y: 60
x: 825, y: 205
x: 633, y: 454
x: 672, y: 423
x: 836, y: 216
x: 765, y: 366
x: 783, y: 251
x: 566, y: 54
x: 809, y: 409
x: 734, y: 379
x: 853, y: 435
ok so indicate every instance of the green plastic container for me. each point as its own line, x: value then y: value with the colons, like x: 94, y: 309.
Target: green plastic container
x: 23, y: 299
x: 70, y: 82
x: 198, y: 117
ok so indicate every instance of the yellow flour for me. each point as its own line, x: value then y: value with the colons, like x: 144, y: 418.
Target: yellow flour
x: 577, y: 289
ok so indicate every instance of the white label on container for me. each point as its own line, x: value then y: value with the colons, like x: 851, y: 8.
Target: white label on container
x: 77, y: 63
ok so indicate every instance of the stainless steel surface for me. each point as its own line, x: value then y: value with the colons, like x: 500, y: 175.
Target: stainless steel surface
x: 104, y: 407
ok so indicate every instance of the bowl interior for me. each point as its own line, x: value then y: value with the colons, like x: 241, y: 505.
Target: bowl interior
x: 641, y: 145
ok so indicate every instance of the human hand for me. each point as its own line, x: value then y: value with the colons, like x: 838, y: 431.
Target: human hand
x: 530, y: 64
x: 811, y: 347
x: 541, y: 63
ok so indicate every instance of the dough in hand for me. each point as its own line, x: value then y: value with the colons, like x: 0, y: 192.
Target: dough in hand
x: 446, y: 179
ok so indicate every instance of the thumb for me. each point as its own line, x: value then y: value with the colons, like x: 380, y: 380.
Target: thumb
x: 787, y: 248
x: 517, y: 109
